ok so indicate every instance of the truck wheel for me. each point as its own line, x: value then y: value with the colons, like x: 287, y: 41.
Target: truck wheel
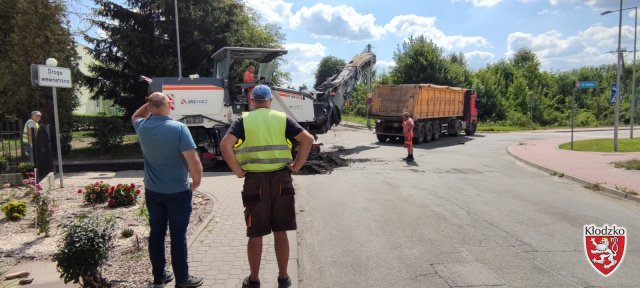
x: 436, y: 131
x: 471, y: 129
x: 382, y: 138
x: 418, y: 138
x: 429, y: 132
x: 458, y: 127
x: 455, y: 127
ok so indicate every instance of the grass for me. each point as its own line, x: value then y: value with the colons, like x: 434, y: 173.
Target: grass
x: 489, y: 127
x: 81, y: 134
x: 604, y: 145
x: 633, y: 164
x: 124, y: 151
x: 356, y: 119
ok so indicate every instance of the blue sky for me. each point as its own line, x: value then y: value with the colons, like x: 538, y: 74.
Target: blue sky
x: 563, y: 33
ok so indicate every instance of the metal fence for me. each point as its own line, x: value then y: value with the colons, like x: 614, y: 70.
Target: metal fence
x: 12, y: 148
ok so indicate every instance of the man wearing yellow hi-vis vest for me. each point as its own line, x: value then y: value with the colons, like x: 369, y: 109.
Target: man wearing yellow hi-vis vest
x: 258, y: 147
x: 31, y: 125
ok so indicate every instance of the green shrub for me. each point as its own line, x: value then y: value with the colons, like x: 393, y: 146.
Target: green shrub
x: 14, y: 209
x: 108, y: 133
x: 126, y: 233
x: 25, y: 168
x: 44, y: 213
x: 95, y: 193
x: 4, y: 164
x: 123, y: 195
x: 586, y: 118
x: 84, y: 248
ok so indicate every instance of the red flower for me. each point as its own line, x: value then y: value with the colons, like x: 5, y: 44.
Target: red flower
x: 119, y: 185
x: 113, y: 188
x: 111, y: 203
x: 80, y: 191
x: 133, y: 185
x: 97, y: 183
x: 138, y: 191
x: 93, y: 196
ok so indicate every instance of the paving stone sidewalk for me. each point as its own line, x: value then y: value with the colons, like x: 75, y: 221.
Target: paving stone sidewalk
x: 593, y: 167
x: 219, y: 252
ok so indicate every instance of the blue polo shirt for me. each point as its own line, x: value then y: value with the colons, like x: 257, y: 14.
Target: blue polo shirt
x: 162, y: 141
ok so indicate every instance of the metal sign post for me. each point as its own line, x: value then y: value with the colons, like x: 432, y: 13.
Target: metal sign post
x: 579, y: 85
x: 51, y: 76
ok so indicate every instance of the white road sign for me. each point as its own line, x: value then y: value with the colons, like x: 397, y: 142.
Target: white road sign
x: 49, y: 76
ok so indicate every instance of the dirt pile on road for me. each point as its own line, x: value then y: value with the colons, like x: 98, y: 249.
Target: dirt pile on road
x: 323, y: 163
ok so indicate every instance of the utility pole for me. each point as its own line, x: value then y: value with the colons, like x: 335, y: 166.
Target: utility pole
x: 175, y: 4
x: 617, y: 108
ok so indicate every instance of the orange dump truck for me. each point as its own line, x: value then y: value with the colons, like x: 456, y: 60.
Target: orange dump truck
x: 435, y: 110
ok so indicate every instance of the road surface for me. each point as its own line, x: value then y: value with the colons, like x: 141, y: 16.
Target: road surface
x: 464, y: 215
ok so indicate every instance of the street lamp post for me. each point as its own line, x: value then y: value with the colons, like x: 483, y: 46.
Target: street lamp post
x: 633, y: 85
x: 619, y: 72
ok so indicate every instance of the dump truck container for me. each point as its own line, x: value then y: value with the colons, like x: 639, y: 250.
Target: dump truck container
x: 435, y: 109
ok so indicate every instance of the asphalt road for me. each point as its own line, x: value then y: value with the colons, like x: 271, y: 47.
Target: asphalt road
x: 464, y: 215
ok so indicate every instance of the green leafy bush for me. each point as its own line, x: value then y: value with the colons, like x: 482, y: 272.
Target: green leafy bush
x: 84, y: 248
x: 95, y: 193
x: 25, y: 168
x: 123, y: 195
x: 14, y: 209
x: 108, y: 133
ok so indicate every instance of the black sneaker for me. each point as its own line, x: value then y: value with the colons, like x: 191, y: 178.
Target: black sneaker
x: 248, y: 283
x: 192, y: 281
x: 168, y: 277
x: 284, y: 283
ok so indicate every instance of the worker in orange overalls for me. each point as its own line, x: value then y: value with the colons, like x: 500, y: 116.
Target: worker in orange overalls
x: 407, y: 132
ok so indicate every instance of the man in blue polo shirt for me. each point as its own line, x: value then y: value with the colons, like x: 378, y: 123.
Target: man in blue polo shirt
x: 169, y: 157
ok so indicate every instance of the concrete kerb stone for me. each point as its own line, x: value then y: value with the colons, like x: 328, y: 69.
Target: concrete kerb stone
x: 204, y: 223
x: 603, y: 189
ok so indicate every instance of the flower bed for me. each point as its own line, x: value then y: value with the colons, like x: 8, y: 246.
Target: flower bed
x: 128, y: 264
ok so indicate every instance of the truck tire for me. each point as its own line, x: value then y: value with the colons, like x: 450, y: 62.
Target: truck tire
x: 455, y: 127
x: 419, y: 133
x: 471, y: 129
x: 436, y: 131
x: 382, y: 138
x: 429, y: 132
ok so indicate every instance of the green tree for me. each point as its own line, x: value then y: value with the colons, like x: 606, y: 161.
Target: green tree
x: 32, y: 32
x: 419, y: 60
x: 141, y: 40
x: 329, y: 66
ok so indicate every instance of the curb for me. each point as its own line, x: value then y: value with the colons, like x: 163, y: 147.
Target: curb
x: 603, y: 189
x: 204, y: 224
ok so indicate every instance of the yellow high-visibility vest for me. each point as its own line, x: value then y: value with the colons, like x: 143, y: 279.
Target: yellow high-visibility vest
x: 265, y: 147
x: 27, y: 132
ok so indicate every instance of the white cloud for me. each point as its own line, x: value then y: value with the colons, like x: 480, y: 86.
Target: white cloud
x: 384, y: 66
x: 408, y: 25
x: 341, y: 21
x: 588, y: 47
x: 547, y: 11
x: 302, y: 62
x: 344, y: 22
x: 485, y: 3
x: 272, y: 11
x: 307, y: 50
x: 481, y: 55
